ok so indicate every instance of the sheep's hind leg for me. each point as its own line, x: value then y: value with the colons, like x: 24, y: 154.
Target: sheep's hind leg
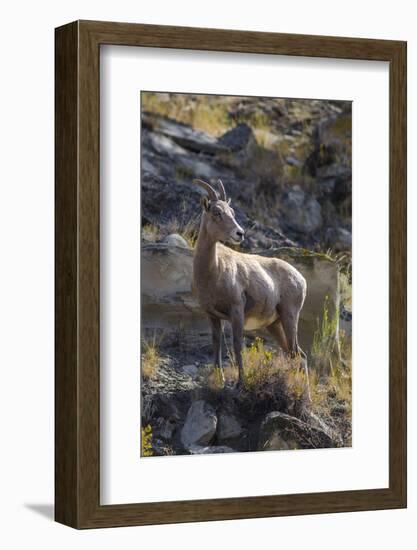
x: 290, y: 326
x: 216, y: 330
x: 277, y: 331
x: 304, y: 366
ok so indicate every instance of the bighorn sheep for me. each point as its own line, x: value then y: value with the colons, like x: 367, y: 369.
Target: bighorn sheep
x: 250, y: 291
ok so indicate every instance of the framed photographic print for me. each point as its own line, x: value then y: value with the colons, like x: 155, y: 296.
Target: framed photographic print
x: 230, y: 274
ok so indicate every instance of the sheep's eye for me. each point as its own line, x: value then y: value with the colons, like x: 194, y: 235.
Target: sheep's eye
x: 217, y: 214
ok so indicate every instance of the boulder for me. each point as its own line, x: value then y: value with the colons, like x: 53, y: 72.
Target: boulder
x: 169, y: 305
x: 199, y: 426
x: 166, y: 428
x: 238, y: 138
x: 254, y: 162
x: 213, y: 450
x: 302, y: 212
x: 168, y: 382
x: 339, y: 238
x: 315, y: 421
x: 175, y: 240
x: 228, y: 427
x: 275, y: 442
x: 164, y: 145
x: 182, y: 134
x: 281, y: 431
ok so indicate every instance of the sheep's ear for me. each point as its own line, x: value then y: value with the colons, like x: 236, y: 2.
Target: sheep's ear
x: 229, y: 200
x: 206, y: 203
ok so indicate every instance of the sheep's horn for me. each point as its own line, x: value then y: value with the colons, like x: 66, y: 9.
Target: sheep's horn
x: 212, y: 193
x: 222, y: 190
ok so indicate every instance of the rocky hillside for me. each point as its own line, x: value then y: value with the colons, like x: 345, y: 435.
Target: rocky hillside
x: 187, y: 412
x: 286, y: 165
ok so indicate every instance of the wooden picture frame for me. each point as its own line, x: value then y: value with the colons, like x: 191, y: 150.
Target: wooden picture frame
x: 77, y: 374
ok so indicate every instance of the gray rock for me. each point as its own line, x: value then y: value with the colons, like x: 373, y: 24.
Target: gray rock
x: 302, y: 212
x: 334, y: 170
x: 345, y: 314
x: 281, y: 431
x: 276, y: 442
x: 182, y: 134
x: 149, y: 167
x: 316, y: 422
x: 200, y: 169
x: 339, y: 238
x: 167, y: 428
x: 238, y: 138
x: 199, y: 426
x: 343, y: 186
x: 175, y: 240
x: 327, y: 186
x: 345, y: 322
x: 168, y: 304
x: 292, y: 161
x: 191, y: 370
x: 183, y: 160
x: 170, y: 381
x: 228, y: 427
x: 164, y: 145
x: 215, y: 449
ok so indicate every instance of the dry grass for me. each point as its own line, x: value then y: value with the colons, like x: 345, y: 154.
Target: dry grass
x: 214, y: 378
x: 345, y: 290
x: 151, y: 358
x: 324, y: 341
x: 336, y: 387
x: 216, y: 114
x: 263, y: 369
x: 151, y: 233
x: 331, y: 389
x: 258, y: 120
x: 267, y: 372
x: 259, y: 365
x: 187, y: 229
x: 203, y: 112
x: 184, y: 225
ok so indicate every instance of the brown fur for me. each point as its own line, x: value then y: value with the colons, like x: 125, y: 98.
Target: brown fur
x: 248, y: 290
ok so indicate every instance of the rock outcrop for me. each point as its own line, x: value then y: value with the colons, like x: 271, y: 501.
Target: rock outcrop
x: 280, y: 431
x: 168, y: 303
x: 255, y: 173
x: 199, y: 426
x: 187, y: 417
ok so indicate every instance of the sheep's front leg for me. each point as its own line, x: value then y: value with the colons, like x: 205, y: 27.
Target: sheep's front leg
x: 237, y: 321
x: 216, y: 330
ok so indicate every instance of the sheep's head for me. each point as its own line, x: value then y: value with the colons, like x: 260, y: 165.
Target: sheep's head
x: 219, y: 216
